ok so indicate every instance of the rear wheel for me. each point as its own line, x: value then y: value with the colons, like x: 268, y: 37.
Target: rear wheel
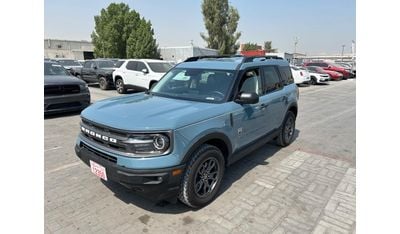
x: 103, y: 83
x: 286, y: 135
x: 202, y: 177
x: 120, y: 86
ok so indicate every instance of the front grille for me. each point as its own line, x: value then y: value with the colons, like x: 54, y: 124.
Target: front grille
x: 63, y: 105
x: 61, y: 89
x: 98, y: 153
x: 106, y: 132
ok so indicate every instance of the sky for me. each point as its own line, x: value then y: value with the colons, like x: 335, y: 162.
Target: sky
x: 321, y: 26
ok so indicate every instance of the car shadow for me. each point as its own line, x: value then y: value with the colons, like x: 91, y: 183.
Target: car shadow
x: 232, y: 174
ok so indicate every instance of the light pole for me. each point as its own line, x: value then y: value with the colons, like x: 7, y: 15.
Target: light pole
x: 296, y: 41
x: 343, y: 51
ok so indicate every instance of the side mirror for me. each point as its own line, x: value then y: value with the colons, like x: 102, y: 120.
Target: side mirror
x: 144, y: 70
x: 247, y: 98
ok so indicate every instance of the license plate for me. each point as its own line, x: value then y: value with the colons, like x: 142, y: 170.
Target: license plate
x: 98, y: 170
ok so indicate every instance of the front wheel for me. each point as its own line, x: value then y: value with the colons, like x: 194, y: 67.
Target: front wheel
x: 120, y: 86
x: 313, y: 81
x: 286, y: 135
x: 202, y: 177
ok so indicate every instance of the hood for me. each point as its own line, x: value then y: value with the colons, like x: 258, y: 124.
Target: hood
x: 140, y: 112
x: 61, y: 80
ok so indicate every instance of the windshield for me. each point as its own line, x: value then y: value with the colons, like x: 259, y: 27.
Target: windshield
x: 106, y: 64
x: 69, y: 63
x: 195, y: 84
x: 52, y: 69
x: 160, y: 67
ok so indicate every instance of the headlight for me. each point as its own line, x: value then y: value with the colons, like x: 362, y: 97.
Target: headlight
x: 84, y: 86
x: 148, y: 144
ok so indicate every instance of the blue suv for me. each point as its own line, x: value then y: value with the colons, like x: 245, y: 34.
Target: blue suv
x: 175, y: 140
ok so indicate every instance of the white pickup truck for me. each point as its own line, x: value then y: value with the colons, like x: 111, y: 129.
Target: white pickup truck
x: 139, y: 74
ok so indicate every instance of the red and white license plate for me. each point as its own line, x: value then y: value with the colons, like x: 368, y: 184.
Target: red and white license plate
x: 98, y: 170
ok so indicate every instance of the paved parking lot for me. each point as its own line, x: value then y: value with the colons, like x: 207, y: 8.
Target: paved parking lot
x: 308, y: 187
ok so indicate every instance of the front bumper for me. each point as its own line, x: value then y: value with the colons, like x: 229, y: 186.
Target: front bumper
x: 323, y: 79
x: 156, y: 184
x: 65, y: 103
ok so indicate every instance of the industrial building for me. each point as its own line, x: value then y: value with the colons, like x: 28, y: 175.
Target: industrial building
x: 180, y: 53
x: 78, y: 50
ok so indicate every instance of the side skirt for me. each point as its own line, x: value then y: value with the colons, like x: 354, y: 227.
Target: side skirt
x: 245, y: 150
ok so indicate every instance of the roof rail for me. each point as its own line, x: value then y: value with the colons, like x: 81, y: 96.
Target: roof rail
x: 251, y: 58
x: 195, y: 58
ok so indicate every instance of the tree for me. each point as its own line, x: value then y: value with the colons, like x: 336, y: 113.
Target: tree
x: 118, y: 30
x: 250, y: 46
x: 141, y: 43
x: 268, y: 47
x: 221, y: 22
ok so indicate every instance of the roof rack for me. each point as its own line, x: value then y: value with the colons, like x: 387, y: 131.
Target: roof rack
x: 195, y: 58
x: 251, y: 58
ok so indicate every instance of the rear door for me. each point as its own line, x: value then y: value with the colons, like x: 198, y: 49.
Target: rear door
x: 86, y: 70
x: 274, y: 98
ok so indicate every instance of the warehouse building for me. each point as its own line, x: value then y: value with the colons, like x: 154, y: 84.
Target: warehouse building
x: 180, y: 53
x: 78, y: 50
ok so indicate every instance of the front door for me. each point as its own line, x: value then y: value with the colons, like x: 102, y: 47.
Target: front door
x: 249, y: 118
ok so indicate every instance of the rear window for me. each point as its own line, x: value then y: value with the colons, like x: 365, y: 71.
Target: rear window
x: 106, y: 64
x: 159, y: 67
x: 286, y: 75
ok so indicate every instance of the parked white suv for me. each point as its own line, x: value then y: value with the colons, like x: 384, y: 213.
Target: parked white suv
x: 139, y: 74
x: 300, y: 76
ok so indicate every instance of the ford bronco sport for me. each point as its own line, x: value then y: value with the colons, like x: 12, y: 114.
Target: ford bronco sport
x: 176, y: 140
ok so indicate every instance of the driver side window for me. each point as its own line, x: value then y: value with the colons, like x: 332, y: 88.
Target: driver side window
x: 251, y: 82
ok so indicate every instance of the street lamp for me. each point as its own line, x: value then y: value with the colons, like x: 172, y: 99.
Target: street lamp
x: 343, y: 51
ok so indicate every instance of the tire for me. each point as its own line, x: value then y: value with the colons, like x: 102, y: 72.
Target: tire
x: 286, y: 135
x: 120, y: 86
x: 313, y: 81
x: 103, y: 83
x: 199, y: 172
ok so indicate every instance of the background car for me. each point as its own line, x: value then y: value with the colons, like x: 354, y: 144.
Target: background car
x: 62, y: 91
x: 69, y: 64
x: 332, y: 74
x: 139, y: 74
x: 300, y: 76
x: 331, y: 67
x: 97, y: 71
x: 318, y: 76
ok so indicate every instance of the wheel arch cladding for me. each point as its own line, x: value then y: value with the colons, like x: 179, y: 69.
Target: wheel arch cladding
x: 219, y: 140
x: 293, y: 109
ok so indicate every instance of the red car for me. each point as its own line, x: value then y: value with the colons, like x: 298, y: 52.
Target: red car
x: 330, y: 67
x: 333, y: 74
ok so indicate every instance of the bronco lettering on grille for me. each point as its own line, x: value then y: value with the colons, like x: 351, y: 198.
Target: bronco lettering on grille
x: 98, y: 135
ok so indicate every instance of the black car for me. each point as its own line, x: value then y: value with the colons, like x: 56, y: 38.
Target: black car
x: 63, y: 92
x: 97, y: 71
